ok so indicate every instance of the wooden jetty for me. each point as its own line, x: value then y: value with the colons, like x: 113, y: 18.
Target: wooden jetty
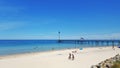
x: 92, y: 42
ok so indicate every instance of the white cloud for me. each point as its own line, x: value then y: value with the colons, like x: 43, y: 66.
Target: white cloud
x: 10, y: 25
x: 94, y: 36
x: 28, y: 37
x: 7, y: 8
x: 42, y: 36
x: 106, y: 36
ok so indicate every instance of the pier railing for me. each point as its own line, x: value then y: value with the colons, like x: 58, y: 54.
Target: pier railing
x: 92, y: 42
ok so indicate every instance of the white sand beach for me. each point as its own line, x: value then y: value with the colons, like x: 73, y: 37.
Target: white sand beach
x: 59, y: 59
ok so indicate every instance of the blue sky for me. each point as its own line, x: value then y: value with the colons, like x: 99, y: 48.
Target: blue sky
x: 42, y: 19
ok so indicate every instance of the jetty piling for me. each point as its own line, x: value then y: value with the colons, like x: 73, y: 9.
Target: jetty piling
x: 92, y: 42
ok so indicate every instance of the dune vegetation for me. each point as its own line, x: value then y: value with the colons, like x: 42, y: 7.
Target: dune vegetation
x: 116, y: 64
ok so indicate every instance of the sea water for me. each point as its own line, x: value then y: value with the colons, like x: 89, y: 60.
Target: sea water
x: 9, y: 47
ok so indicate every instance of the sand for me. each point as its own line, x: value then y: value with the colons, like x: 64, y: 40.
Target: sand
x: 59, y: 59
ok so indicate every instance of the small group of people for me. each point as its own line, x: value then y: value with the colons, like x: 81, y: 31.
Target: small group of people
x: 71, y: 56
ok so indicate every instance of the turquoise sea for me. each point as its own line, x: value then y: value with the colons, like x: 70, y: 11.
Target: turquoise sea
x: 9, y: 47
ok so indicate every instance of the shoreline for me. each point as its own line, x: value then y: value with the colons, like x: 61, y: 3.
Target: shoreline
x: 32, y: 53
x: 59, y: 59
x: 42, y: 52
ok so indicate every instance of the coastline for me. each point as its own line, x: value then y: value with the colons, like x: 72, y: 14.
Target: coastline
x: 41, y: 52
x: 29, y: 53
x: 59, y: 59
x: 34, y: 53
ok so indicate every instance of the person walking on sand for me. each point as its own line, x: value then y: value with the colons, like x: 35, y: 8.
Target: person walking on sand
x: 73, y: 57
x: 69, y: 57
x: 113, y: 47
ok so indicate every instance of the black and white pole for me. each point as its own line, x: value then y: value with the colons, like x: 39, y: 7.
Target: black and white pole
x: 59, y: 37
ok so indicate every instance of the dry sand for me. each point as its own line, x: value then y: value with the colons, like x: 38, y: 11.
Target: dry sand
x: 59, y: 59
